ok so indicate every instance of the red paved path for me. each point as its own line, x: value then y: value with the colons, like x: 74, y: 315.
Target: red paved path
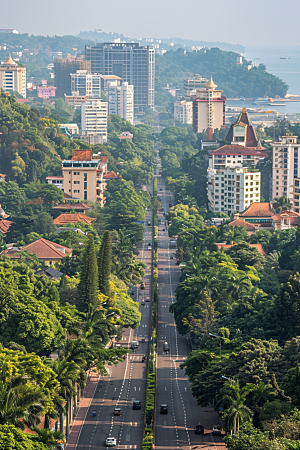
x: 82, y: 411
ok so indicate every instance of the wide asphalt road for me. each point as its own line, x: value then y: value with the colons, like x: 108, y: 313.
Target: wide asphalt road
x: 175, y: 430
x: 126, y: 382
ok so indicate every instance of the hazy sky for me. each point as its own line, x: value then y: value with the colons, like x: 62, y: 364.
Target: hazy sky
x: 250, y: 23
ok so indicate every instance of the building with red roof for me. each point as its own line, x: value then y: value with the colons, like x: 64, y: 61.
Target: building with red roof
x: 79, y: 207
x: 46, y: 251
x: 285, y: 220
x: 65, y: 219
x: 257, y: 246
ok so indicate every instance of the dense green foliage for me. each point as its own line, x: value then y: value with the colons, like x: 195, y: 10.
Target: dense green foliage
x: 235, y: 80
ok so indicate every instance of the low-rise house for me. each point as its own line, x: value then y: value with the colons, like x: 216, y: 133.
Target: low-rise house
x: 249, y: 227
x: 4, y: 224
x: 258, y: 214
x: 78, y: 207
x: 285, y: 220
x: 65, y: 219
x: 46, y: 251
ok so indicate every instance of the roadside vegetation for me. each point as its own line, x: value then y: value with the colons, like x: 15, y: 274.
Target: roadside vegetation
x: 240, y: 307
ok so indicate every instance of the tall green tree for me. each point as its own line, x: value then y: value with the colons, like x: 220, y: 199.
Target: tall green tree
x: 88, y: 285
x: 104, y: 264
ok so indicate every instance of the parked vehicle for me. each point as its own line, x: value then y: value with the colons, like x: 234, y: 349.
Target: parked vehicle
x: 149, y: 223
x: 94, y: 413
x: 136, y: 404
x: 199, y: 429
x: 163, y: 409
x: 117, y: 411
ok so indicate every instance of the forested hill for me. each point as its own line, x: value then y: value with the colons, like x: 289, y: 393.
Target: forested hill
x: 234, y: 79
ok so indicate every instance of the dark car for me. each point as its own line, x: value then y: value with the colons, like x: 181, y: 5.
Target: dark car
x: 117, y: 411
x: 136, y: 404
x: 199, y: 429
x: 163, y: 409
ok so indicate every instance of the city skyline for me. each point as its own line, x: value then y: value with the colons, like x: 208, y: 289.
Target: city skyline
x: 259, y: 25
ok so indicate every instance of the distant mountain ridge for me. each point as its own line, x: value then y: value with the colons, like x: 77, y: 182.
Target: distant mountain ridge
x: 164, y: 43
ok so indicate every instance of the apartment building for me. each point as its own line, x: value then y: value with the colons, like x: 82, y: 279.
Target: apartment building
x: 120, y: 101
x: 208, y: 109
x: 183, y: 111
x: 232, y: 189
x: 85, y: 83
x: 63, y: 67
x: 94, y: 117
x: 13, y: 77
x: 295, y: 194
x: 83, y: 176
x: 285, y: 167
x: 110, y: 80
x: 191, y: 85
x: 134, y: 64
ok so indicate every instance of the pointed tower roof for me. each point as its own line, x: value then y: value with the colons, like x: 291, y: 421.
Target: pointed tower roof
x: 10, y: 61
x: 210, y: 84
x: 250, y: 136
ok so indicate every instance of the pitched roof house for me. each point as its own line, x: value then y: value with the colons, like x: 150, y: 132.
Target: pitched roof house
x: 64, y: 219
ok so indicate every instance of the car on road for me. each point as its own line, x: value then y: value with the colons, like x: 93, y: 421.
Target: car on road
x: 142, y: 286
x: 166, y: 346
x: 199, y: 429
x: 110, y: 442
x: 147, y: 299
x: 134, y: 344
x: 163, y: 409
x: 149, y: 223
x: 217, y: 429
x: 136, y: 404
x: 143, y: 339
x: 143, y: 302
x: 160, y: 189
x: 117, y: 411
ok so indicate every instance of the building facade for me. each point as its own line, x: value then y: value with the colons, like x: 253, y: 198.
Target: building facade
x: 183, y: 111
x: 83, y: 176
x: 120, y: 101
x: 84, y: 83
x: 94, y: 117
x: 295, y: 193
x: 285, y: 167
x: 13, y: 77
x: 232, y: 189
x: 45, y: 91
x: 63, y: 67
x: 208, y: 109
x: 191, y: 85
x: 134, y: 64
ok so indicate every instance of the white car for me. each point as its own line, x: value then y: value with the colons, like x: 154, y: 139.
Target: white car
x: 217, y: 429
x: 110, y: 442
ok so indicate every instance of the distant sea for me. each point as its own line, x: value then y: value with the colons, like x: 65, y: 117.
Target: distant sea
x: 286, y: 69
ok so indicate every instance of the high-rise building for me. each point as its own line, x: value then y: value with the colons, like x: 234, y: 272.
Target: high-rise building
x: 183, y: 111
x: 134, y: 64
x: 110, y: 80
x: 83, y: 176
x: 285, y: 166
x: 120, y: 101
x: 208, y: 109
x: 13, y: 77
x: 63, y: 67
x: 85, y: 83
x: 94, y: 117
x: 295, y: 194
x: 191, y: 85
x: 232, y: 189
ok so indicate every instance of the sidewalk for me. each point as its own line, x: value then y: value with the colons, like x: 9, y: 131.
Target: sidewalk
x: 82, y: 412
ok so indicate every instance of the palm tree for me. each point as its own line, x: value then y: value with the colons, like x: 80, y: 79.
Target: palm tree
x: 237, y: 412
x: 21, y: 403
x: 51, y: 439
x: 280, y: 204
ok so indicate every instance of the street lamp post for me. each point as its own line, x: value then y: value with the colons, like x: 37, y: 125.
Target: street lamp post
x: 219, y: 337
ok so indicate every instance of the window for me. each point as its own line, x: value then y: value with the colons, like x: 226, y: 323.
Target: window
x: 76, y: 182
x: 76, y: 191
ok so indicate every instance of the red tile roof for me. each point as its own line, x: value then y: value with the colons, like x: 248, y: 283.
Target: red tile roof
x: 110, y: 175
x: 43, y: 249
x: 258, y: 209
x: 240, y: 150
x: 292, y: 216
x: 242, y: 223
x: 64, y: 219
x: 257, y: 246
x: 82, y: 155
x: 4, y: 225
x: 36, y: 201
x: 76, y: 206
